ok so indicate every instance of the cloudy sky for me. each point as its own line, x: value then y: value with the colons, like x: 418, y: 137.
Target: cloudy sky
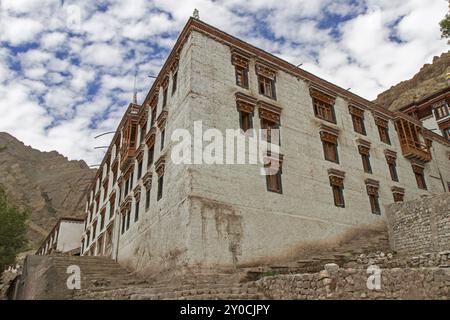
x: 67, y: 67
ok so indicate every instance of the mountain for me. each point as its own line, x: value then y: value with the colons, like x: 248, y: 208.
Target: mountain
x: 46, y: 183
x: 431, y: 78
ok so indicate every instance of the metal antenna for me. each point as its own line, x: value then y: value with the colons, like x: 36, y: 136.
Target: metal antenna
x: 105, y: 133
x: 299, y: 65
x: 134, y: 87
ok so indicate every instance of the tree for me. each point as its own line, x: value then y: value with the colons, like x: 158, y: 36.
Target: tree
x: 12, y: 231
x: 445, y: 26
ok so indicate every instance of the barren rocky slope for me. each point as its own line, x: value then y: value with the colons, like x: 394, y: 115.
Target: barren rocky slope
x: 431, y: 77
x: 46, y: 183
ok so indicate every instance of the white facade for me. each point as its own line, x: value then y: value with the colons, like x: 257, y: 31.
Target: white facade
x: 64, y: 237
x: 223, y: 215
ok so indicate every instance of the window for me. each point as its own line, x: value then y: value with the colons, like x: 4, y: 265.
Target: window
x: 160, y: 187
x: 131, y: 180
x: 174, y: 82
x: 366, y: 163
x: 245, y: 120
x: 151, y: 152
x: 102, y: 220
x: 153, y: 120
x: 270, y: 135
x: 164, y: 103
x: 266, y: 87
x: 163, y: 133
x: 398, y: 194
x: 446, y: 133
x: 94, y: 229
x: 139, y: 173
x: 374, y: 204
x: 274, y: 182
x: 147, y: 198
x: 241, y: 77
x: 245, y: 105
x: 441, y: 110
x: 240, y: 61
x: 357, y: 119
x: 393, y: 171
x: 88, y: 238
x: 126, y: 188
x: 420, y: 177
x: 323, y: 105
x: 330, y: 151
x: 364, y: 151
x: 136, y: 212
x: 123, y: 223
x: 128, y: 219
x: 372, y: 187
x: 383, y: 130
x: 111, y: 206
x: 337, y: 186
x: 143, y: 129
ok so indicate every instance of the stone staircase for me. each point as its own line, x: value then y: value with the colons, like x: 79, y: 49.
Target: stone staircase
x: 103, y: 278
x: 234, y: 284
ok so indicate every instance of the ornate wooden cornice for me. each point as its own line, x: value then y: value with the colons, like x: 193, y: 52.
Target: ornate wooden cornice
x: 328, y: 133
x: 269, y: 111
x: 174, y: 65
x: 162, y: 118
x: 150, y: 137
x: 357, y: 111
x: 417, y: 167
x: 364, y: 143
x: 140, y: 153
x: 245, y: 103
x: 265, y: 70
x: 391, y: 156
x: 380, y: 119
x: 165, y: 81
x: 322, y: 95
x: 239, y: 58
x: 372, y: 186
x: 336, y: 177
x: 137, y: 192
x: 126, y: 204
x: 160, y: 165
x: 398, y: 194
x: 147, y: 180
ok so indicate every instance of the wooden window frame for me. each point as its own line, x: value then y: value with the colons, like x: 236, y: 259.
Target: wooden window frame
x: 383, y: 130
x: 273, y: 179
x: 372, y: 187
x: 241, y: 66
x: 136, y: 211
x: 441, y: 110
x: 419, y: 174
x: 139, y: 169
x: 266, y: 80
x: 147, y: 198
x: 153, y: 116
x: 242, y: 77
x: 398, y: 194
x: 150, y: 156
x: 357, y: 115
x: 174, y: 81
x: 364, y: 151
x: 336, y: 178
x: 162, y: 137
x: 323, y: 105
x: 160, y: 188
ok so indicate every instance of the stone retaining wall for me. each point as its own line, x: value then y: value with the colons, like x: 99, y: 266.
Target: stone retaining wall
x: 407, y: 283
x: 421, y: 225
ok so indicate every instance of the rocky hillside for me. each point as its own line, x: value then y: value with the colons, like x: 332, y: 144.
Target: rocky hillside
x: 430, y: 78
x: 46, y: 183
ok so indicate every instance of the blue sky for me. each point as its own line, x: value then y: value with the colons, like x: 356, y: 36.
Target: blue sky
x: 67, y: 67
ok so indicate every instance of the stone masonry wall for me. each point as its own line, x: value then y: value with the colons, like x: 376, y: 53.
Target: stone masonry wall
x: 421, y: 225
x: 408, y: 283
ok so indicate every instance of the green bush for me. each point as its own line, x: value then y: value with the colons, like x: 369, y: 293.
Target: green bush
x: 12, y: 231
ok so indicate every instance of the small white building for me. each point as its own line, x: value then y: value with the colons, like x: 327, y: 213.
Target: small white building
x: 64, y: 237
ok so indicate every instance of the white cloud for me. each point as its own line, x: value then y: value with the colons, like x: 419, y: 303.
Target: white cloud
x: 82, y: 69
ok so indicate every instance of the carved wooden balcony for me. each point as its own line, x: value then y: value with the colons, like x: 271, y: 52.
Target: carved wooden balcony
x: 410, y: 134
